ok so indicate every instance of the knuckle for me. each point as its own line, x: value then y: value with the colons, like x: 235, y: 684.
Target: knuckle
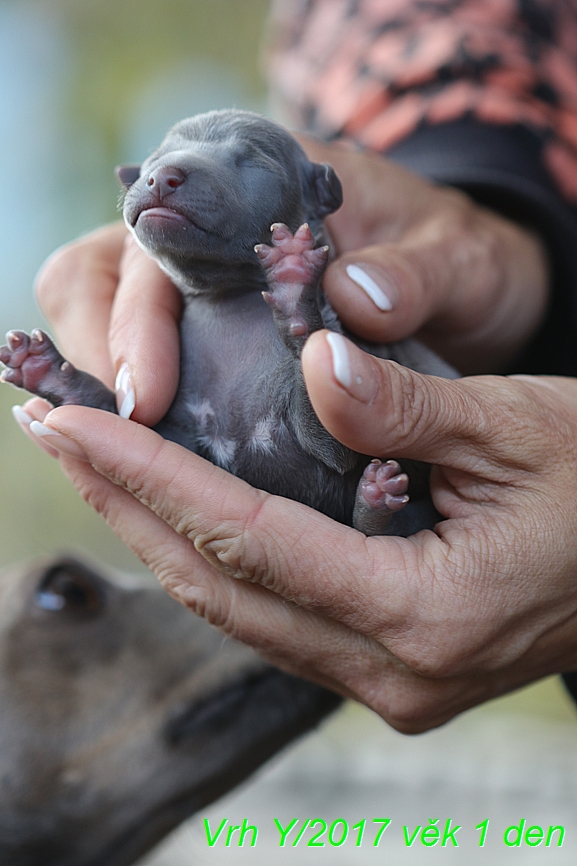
x: 71, y: 267
x: 67, y: 270
x: 455, y: 202
x: 236, y: 550
x: 226, y: 547
x: 459, y: 214
x: 213, y: 603
x: 408, y: 710
x: 415, y: 721
x: 534, y: 422
x: 475, y: 240
x: 432, y: 662
x: 121, y: 327
x: 544, y: 418
x: 216, y: 607
x: 428, y: 654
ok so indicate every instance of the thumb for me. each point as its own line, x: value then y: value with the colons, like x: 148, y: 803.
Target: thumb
x: 385, y: 410
x: 382, y: 293
x: 144, y: 336
x: 470, y: 284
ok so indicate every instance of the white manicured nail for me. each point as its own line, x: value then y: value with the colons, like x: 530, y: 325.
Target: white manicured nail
x: 353, y: 369
x: 368, y: 285
x: 22, y: 417
x: 24, y: 421
x: 341, y: 363
x: 42, y: 430
x: 125, y: 397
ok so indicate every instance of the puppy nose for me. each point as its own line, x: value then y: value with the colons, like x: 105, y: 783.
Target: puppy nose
x: 164, y: 180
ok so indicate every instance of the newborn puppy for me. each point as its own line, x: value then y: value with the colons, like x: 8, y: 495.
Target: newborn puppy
x: 204, y: 205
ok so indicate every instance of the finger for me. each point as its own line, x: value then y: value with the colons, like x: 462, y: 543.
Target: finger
x: 297, y: 640
x: 33, y: 410
x: 75, y: 289
x: 380, y: 408
x: 385, y: 293
x: 144, y: 337
x: 468, y: 283
x: 236, y: 527
x: 384, y: 589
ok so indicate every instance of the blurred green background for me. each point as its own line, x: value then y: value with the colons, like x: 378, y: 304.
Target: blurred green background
x: 84, y: 85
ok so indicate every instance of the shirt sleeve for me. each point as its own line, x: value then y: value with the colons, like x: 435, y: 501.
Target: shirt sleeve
x: 479, y: 94
x: 374, y: 71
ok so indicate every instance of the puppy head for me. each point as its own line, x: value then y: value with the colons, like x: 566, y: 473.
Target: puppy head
x: 215, y: 185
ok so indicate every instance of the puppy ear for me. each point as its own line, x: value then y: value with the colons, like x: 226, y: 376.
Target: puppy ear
x: 327, y: 188
x: 127, y: 174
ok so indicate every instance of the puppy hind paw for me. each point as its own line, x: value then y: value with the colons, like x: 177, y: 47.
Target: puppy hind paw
x: 384, y: 486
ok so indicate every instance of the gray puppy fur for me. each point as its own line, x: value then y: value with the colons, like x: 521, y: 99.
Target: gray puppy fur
x: 203, y: 205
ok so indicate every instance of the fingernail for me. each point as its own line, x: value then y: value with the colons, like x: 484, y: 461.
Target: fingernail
x: 125, y: 397
x: 58, y: 441
x: 361, y: 278
x: 352, y: 369
x: 24, y: 420
x: 22, y: 417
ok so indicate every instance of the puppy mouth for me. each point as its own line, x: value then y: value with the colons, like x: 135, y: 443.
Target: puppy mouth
x: 166, y: 214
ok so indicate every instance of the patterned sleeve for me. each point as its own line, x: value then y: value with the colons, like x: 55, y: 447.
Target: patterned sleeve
x: 375, y: 71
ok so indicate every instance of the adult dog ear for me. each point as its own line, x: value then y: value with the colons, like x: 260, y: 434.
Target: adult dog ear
x: 127, y: 174
x: 327, y: 188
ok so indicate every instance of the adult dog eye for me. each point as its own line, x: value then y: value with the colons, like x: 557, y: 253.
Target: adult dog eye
x: 68, y: 588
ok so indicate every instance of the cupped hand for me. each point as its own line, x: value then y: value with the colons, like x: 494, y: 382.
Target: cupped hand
x: 418, y: 629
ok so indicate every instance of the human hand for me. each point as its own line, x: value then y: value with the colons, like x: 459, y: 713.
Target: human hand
x: 418, y: 629
x: 469, y: 283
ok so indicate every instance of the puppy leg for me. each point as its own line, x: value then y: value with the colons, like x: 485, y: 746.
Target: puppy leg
x: 35, y: 364
x: 382, y: 492
x: 293, y: 270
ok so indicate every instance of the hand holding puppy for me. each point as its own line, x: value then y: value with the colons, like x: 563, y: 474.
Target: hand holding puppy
x: 418, y: 628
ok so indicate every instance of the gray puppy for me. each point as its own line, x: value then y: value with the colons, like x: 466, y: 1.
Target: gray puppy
x: 203, y: 205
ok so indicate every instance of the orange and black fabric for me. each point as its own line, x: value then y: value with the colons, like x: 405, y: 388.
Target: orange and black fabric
x: 374, y: 71
x: 480, y: 94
